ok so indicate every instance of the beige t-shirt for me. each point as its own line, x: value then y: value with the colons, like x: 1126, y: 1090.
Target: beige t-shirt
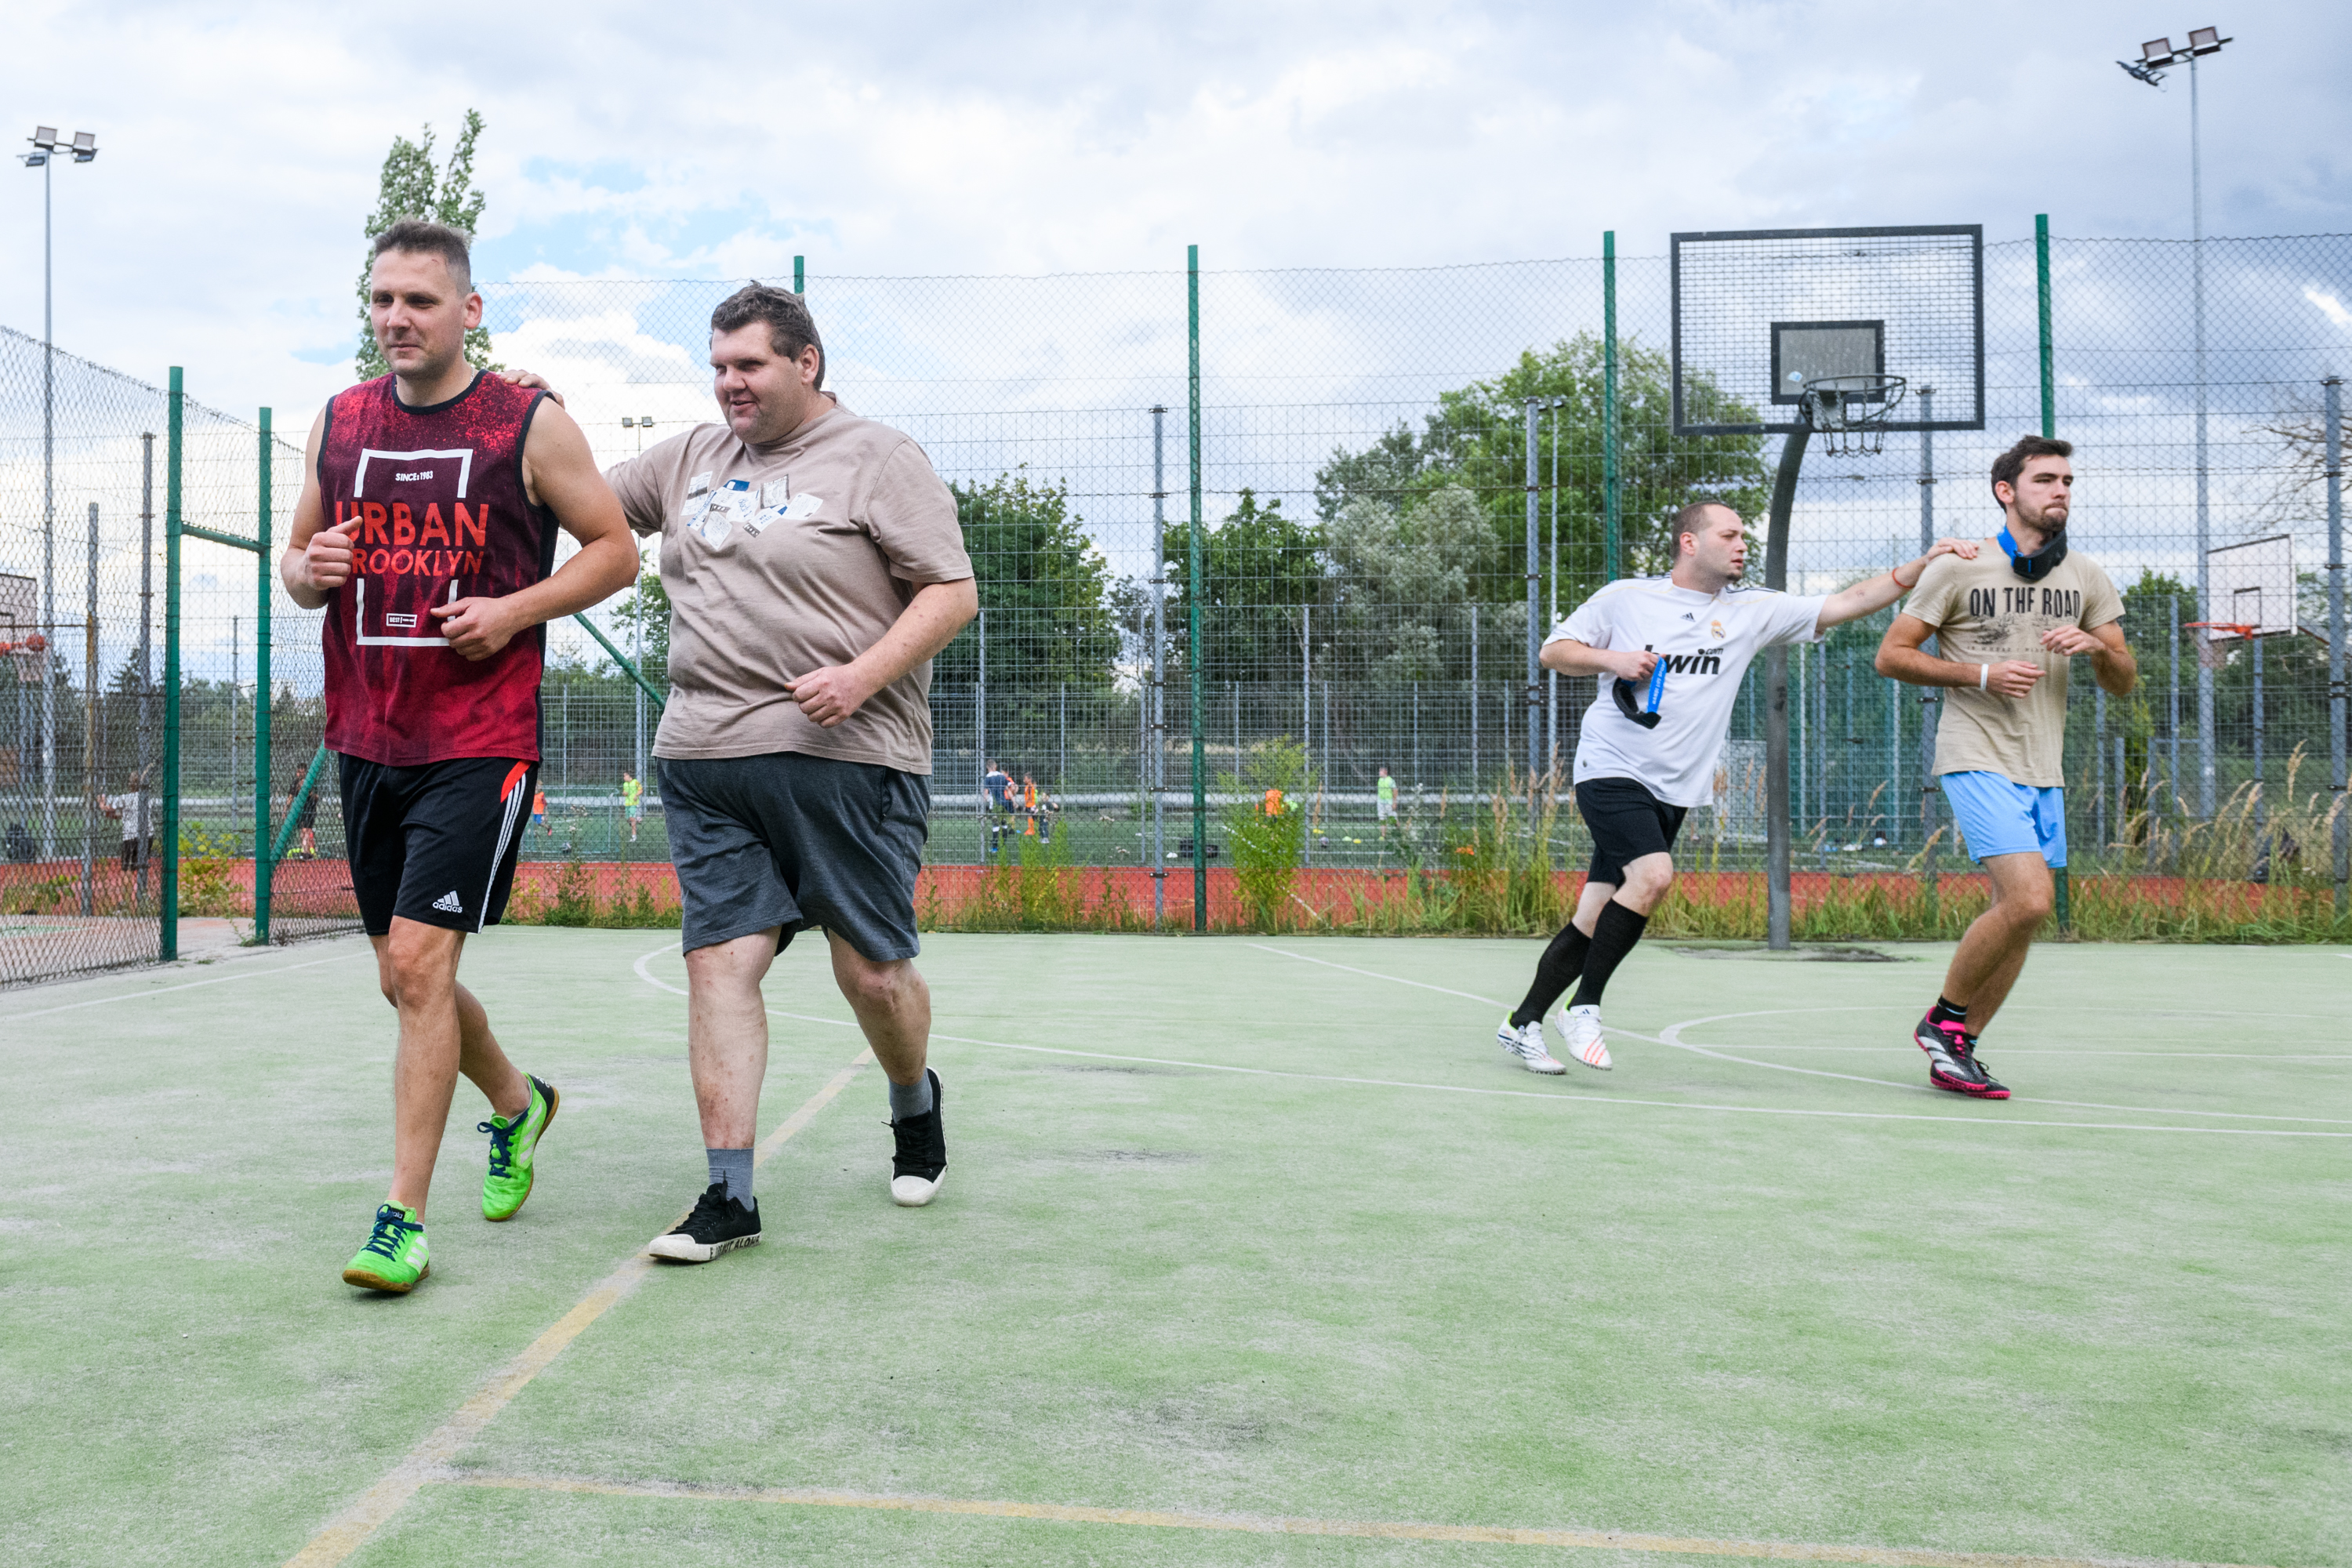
x: 1984, y: 613
x: 784, y: 559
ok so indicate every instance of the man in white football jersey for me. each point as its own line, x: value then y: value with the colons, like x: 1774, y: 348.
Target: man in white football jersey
x: 1669, y: 652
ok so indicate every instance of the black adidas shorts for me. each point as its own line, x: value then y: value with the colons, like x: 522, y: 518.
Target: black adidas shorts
x: 1626, y: 822
x: 435, y: 844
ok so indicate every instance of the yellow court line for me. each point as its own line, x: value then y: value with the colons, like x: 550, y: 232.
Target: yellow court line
x: 1254, y: 1524
x: 350, y: 1529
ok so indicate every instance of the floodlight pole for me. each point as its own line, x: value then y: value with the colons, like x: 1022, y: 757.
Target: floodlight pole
x: 1155, y: 776
x: 1930, y: 698
x: 1776, y: 691
x: 2334, y: 389
x: 2204, y: 477
x: 1534, y: 589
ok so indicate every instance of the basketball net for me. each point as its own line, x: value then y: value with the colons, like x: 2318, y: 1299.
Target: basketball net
x: 2213, y: 652
x: 1849, y: 412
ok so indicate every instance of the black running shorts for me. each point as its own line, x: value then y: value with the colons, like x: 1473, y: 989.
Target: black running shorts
x: 793, y: 841
x: 1627, y: 822
x: 437, y: 843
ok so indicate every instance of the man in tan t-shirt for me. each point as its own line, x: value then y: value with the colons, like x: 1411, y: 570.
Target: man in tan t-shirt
x: 2007, y: 624
x: 815, y: 564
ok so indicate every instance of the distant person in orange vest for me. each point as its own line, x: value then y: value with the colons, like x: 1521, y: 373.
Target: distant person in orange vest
x: 539, y: 811
x: 1029, y: 805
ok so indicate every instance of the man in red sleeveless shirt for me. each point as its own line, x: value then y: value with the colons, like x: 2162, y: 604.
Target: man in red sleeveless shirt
x: 426, y: 527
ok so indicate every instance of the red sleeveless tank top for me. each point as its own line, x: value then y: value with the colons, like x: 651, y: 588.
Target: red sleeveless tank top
x: 443, y: 515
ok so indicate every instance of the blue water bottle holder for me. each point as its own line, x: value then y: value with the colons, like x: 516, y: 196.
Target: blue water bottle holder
x: 1645, y: 710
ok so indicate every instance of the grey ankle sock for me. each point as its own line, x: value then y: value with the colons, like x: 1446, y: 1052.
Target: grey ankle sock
x: 731, y: 1169
x: 911, y: 1099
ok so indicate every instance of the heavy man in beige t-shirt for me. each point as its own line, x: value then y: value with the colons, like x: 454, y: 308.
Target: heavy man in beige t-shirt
x: 815, y: 564
x: 2007, y: 624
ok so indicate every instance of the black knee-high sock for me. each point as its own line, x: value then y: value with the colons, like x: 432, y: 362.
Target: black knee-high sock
x: 1561, y: 965
x: 1613, y: 936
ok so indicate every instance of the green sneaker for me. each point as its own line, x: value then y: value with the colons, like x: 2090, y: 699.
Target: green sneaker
x: 512, y: 1146
x: 394, y: 1257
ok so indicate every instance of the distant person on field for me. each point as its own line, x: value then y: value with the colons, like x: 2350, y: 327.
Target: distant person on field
x: 1028, y: 806
x: 996, y: 801
x: 126, y: 809
x: 2007, y: 624
x: 539, y: 812
x: 1669, y: 653
x: 1386, y: 793
x: 426, y: 524
x: 815, y: 566
x: 633, y: 803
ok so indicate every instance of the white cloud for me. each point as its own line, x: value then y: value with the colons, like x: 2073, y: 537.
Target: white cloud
x: 2330, y: 307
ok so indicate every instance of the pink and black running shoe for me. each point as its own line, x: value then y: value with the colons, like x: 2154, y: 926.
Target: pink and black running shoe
x: 1952, y: 1064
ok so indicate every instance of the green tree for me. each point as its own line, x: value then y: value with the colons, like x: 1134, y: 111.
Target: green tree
x: 1044, y: 586
x: 408, y: 187
x: 1403, y: 581
x: 1260, y: 569
x: 649, y: 600
x: 1478, y: 439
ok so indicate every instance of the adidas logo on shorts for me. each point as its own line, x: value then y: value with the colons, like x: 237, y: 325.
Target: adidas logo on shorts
x: 447, y: 903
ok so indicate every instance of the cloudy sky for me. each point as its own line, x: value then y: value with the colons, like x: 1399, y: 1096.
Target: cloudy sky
x: 220, y: 227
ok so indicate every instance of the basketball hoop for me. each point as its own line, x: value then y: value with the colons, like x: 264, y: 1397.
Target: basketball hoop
x: 2213, y: 652
x: 1851, y: 413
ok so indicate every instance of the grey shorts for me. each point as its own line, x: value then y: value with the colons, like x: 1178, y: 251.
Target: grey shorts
x: 794, y: 842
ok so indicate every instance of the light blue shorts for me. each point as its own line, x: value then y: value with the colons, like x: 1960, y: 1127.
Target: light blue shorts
x: 1999, y: 817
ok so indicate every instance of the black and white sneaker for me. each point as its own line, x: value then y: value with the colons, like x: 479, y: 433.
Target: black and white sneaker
x: 718, y: 1224
x: 919, y: 1162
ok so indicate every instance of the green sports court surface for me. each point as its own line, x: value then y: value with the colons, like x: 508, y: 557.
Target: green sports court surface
x: 1250, y: 1251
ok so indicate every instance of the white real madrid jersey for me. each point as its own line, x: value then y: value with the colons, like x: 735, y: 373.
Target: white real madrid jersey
x: 1704, y: 643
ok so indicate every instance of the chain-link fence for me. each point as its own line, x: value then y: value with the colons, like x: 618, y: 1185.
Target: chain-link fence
x: 1365, y: 476
x: 89, y: 732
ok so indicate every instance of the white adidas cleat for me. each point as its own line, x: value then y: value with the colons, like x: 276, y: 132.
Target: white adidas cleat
x: 1527, y: 1045
x: 1580, y: 1028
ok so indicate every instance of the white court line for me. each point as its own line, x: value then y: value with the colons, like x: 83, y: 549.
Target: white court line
x: 1515, y: 1093
x: 374, y: 1509
x: 2008, y: 1051
x: 191, y: 986
x: 1672, y: 1037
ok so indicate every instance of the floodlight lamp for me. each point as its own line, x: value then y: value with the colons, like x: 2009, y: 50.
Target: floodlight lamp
x: 2205, y: 41
x: 85, y: 146
x: 2157, y: 52
x: 35, y: 160
x: 647, y: 420
x: 44, y: 137
x: 628, y: 423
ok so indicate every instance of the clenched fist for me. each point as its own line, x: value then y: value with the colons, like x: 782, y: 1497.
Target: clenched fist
x: 327, y: 559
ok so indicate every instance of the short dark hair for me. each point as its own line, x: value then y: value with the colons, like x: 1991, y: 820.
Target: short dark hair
x: 421, y: 237
x: 1689, y: 520
x: 790, y: 329
x: 2011, y: 463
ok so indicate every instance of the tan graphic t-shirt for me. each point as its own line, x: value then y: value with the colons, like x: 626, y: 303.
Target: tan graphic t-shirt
x: 784, y: 559
x: 1984, y: 613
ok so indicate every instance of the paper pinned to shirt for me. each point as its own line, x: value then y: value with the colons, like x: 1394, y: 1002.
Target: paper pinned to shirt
x: 774, y: 496
x: 802, y: 506
x: 730, y: 503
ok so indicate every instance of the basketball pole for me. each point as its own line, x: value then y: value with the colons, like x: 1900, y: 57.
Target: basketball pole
x: 1776, y: 825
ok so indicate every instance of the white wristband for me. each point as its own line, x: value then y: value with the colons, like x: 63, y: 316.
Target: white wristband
x: 1984, y: 677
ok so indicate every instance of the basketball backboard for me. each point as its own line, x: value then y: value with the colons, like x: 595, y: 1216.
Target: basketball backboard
x: 1759, y: 312
x: 20, y: 617
x: 2252, y: 584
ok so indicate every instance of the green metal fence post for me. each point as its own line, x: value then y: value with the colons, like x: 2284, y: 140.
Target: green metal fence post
x: 2049, y: 365
x: 800, y: 275
x: 1194, y: 588
x: 265, y: 864
x: 2065, y: 890
x: 1611, y: 522
x: 169, y: 880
